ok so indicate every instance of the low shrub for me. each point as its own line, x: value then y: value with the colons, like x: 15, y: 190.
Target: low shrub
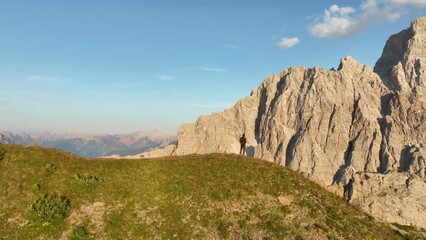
x: 79, y: 233
x: 49, y: 208
x: 35, y: 187
x: 298, y: 237
x: 86, y: 181
x: 2, y: 153
x: 49, y: 169
x: 223, y: 229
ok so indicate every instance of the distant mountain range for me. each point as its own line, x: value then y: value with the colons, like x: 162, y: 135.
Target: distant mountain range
x: 4, y: 139
x: 93, y: 145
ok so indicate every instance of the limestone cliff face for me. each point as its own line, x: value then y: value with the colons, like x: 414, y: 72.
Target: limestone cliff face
x: 319, y: 122
x: 312, y: 120
x: 332, y: 125
x: 402, y: 67
x: 219, y: 132
x: 402, y: 64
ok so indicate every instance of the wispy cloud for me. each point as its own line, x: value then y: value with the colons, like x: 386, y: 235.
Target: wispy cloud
x: 165, y: 77
x: 288, y: 42
x: 340, y: 22
x: 213, y: 69
x: 44, y: 79
x: 275, y: 37
x: 420, y: 3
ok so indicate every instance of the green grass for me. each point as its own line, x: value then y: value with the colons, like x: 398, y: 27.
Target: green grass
x: 213, y: 196
x: 410, y: 232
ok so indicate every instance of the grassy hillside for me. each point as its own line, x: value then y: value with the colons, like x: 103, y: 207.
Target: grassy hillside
x: 50, y: 194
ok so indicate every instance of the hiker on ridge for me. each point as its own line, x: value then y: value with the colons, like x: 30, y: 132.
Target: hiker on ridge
x: 348, y: 190
x: 243, y: 144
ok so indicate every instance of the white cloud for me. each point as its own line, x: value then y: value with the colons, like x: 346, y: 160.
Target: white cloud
x: 43, y: 79
x: 288, y: 42
x: 212, y: 69
x: 338, y: 22
x: 379, y: 10
x: 421, y: 3
x: 342, y: 11
x: 165, y: 77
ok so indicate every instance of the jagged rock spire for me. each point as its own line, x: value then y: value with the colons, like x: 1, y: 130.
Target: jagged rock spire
x: 402, y: 64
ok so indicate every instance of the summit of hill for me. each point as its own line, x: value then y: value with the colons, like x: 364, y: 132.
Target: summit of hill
x: 51, y: 194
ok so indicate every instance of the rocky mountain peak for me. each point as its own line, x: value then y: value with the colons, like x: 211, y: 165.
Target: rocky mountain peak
x: 419, y: 25
x: 403, y: 61
x: 349, y: 63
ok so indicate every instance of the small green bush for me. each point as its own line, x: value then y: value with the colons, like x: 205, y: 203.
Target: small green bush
x: 49, y: 208
x: 48, y: 169
x: 86, y: 181
x: 223, y: 229
x: 79, y: 233
x: 36, y: 187
x: 298, y: 237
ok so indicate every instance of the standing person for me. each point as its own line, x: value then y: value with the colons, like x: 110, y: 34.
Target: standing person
x: 243, y: 144
x: 348, y: 190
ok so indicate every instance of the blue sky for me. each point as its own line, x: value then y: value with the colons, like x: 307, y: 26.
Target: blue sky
x: 123, y: 66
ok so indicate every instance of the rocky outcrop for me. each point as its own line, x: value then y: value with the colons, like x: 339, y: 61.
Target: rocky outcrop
x: 402, y: 64
x: 156, y: 153
x: 392, y: 197
x: 322, y: 121
x: 331, y: 125
x: 219, y: 132
x: 166, y: 151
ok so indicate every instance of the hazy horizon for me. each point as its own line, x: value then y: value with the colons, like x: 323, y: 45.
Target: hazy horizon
x: 91, y: 133
x: 114, y: 67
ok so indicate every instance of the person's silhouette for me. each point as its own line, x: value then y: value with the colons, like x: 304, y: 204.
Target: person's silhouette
x: 243, y: 144
x: 348, y: 190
